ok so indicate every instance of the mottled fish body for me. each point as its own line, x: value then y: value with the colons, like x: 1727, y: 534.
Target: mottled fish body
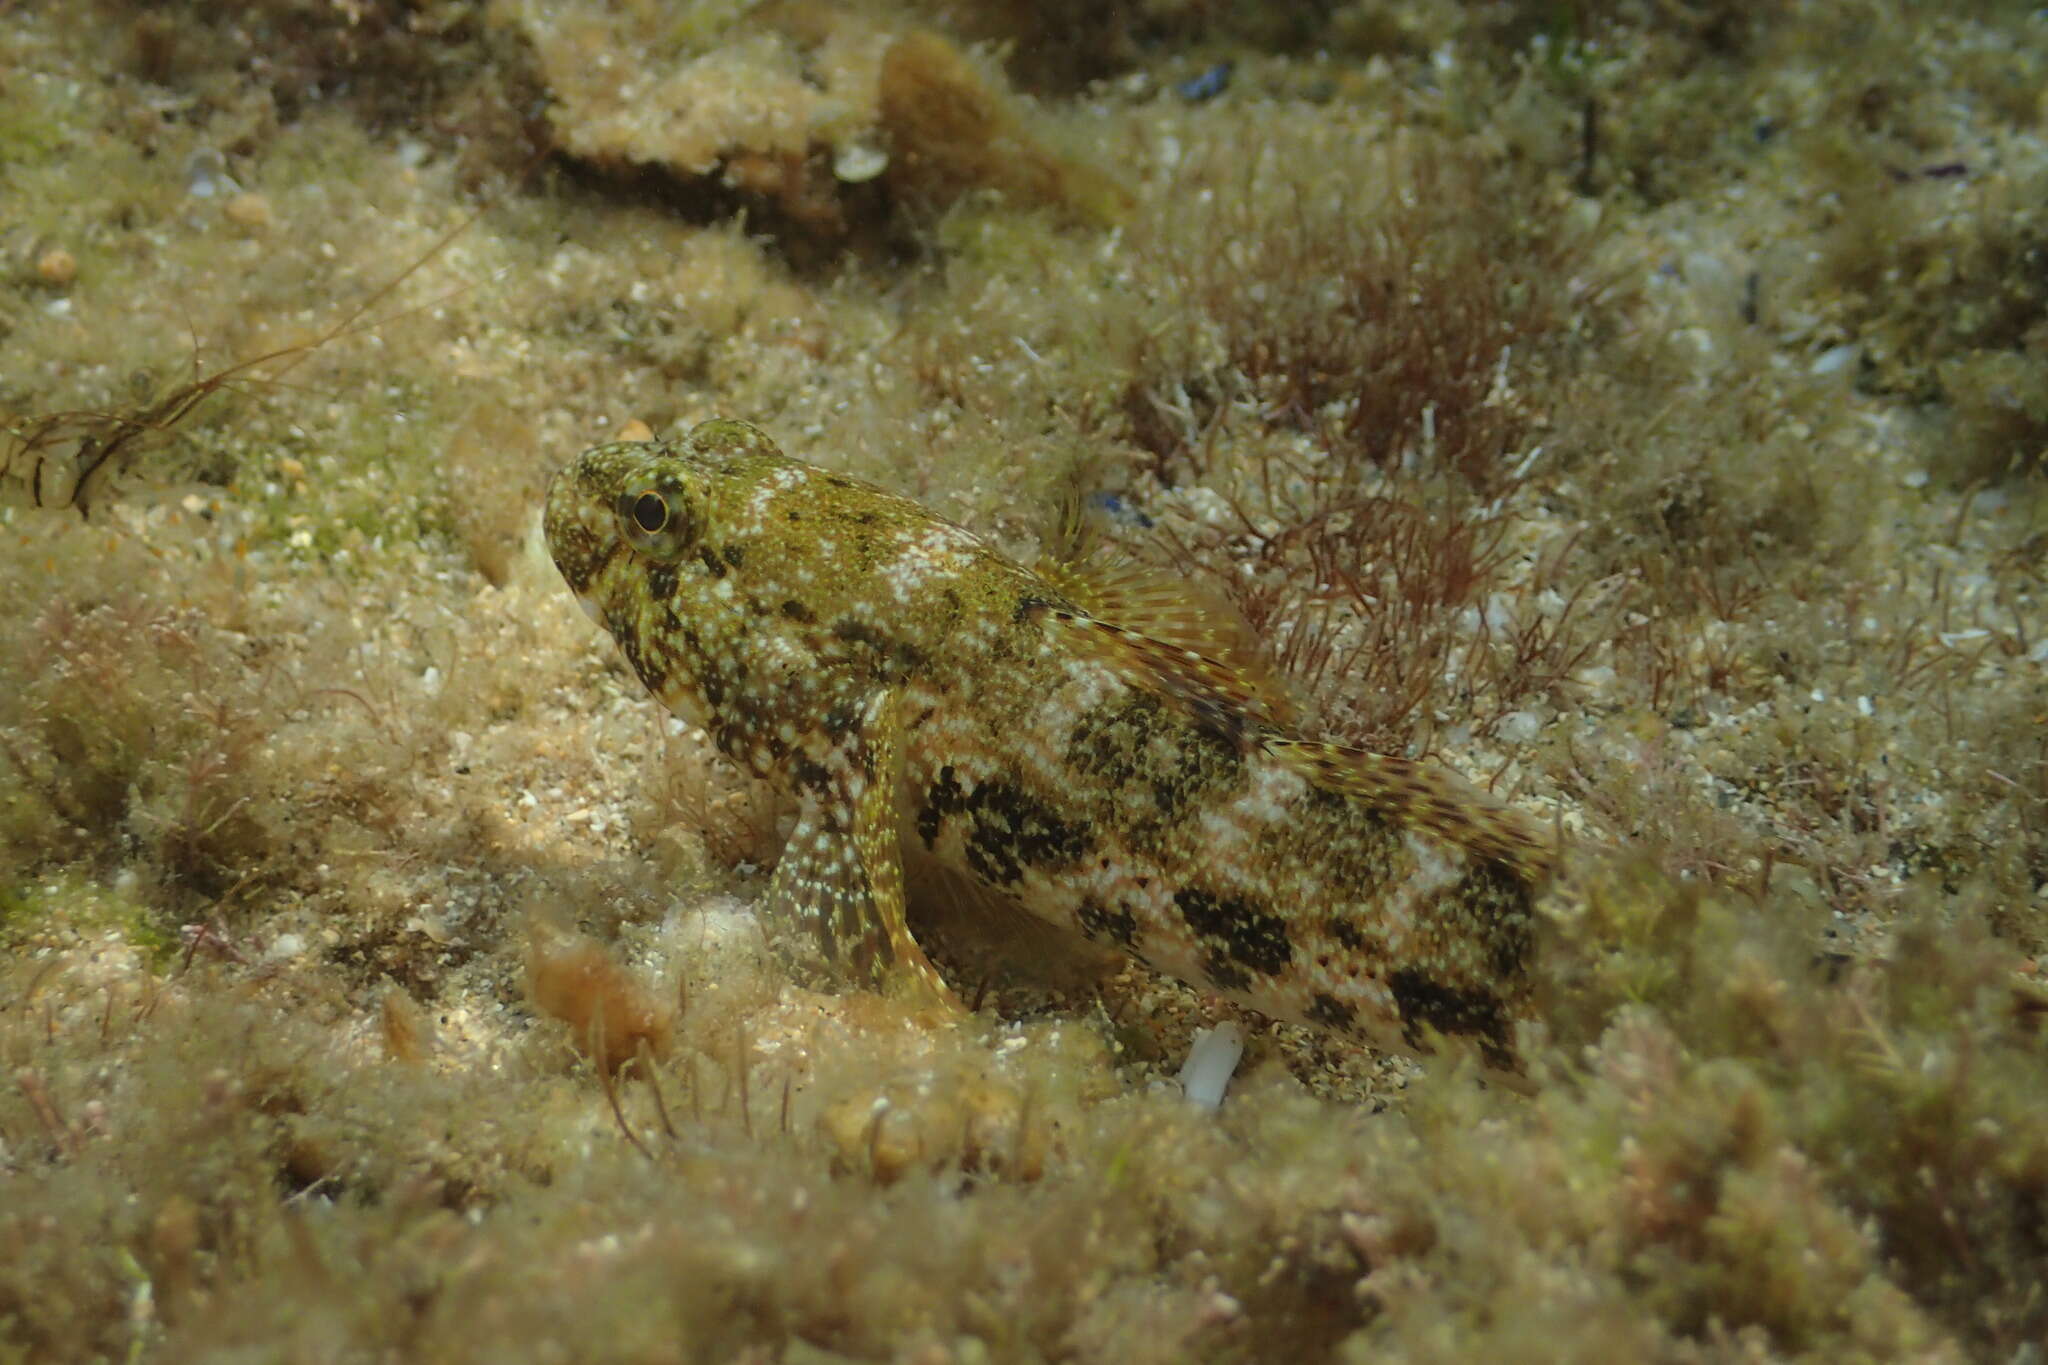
x: 905, y: 683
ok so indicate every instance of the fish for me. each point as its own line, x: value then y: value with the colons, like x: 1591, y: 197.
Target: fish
x: 1066, y: 736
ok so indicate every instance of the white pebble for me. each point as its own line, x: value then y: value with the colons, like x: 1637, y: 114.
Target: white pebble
x: 1519, y: 727
x: 1834, y: 360
x: 1211, y: 1060
x: 857, y: 161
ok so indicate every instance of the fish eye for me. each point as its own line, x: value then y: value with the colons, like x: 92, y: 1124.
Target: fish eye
x: 655, y: 521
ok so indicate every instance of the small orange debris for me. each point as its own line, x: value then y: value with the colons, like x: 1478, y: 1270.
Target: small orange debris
x: 610, y: 1013
x: 57, y: 266
x: 250, y: 212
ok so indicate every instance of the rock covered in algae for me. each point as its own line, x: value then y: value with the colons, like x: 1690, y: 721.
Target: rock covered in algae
x: 797, y: 106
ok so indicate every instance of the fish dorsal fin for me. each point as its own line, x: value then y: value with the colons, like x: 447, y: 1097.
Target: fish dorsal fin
x: 1192, y: 641
x: 1428, y: 798
x: 1215, y: 694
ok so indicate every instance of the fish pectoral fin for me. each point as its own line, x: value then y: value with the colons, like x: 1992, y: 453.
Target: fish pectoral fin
x: 840, y: 878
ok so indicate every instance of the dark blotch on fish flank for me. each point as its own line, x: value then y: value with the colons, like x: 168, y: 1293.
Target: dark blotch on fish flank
x: 1248, y: 934
x: 1452, y: 1011
x: 799, y: 613
x: 1330, y: 1012
x: 1500, y: 894
x: 1116, y: 743
x: 1344, y: 933
x: 899, y: 657
x: 1007, y: 830
x: 855, y: 631
x: 661, y: 581
x: 1118, y: 926
x: 944, y: 798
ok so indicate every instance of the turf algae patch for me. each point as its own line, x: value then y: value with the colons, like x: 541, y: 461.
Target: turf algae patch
x: 952, y: 132
x: 826, y: 119
x: 1776, y: 1066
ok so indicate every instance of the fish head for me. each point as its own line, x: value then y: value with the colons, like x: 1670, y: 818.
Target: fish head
x: 731, y: 574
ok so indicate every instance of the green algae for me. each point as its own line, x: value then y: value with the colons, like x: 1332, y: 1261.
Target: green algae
x: 74, y: 906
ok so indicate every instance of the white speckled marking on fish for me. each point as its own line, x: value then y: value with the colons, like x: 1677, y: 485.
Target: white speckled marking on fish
x: 902, y: 680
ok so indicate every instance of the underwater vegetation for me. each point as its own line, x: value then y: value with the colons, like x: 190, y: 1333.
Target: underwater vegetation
x: 1635, y: 407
